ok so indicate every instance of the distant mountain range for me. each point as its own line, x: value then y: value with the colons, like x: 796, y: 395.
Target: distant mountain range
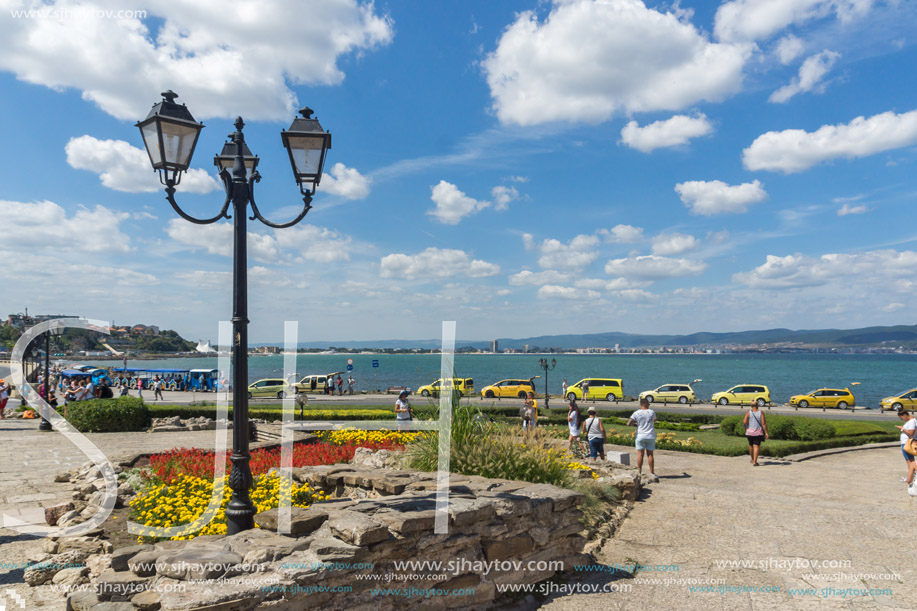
x: 905, y: 335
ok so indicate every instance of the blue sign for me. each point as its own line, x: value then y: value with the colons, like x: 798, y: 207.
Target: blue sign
x: 350, y: 368
x: 375, y: 363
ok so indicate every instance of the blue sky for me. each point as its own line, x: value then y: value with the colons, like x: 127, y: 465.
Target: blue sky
x: 521, y: 167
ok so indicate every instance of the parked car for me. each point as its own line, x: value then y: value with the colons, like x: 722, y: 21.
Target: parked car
x: 508, y: 388
x: 906, y: 400
x: 271, y: 387
x: 825, y: 397
x: 305, y: 384
x: 464, y: 386
x: 670, y: 393
x: 610, y: 389
x: 743, y: 394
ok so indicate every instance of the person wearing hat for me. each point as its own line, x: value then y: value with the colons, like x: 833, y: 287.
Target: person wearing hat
x: 595, y: 434
x: 4, y: 396
x: 402, y: 409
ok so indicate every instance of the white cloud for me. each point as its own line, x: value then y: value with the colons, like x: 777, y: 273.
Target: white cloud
x: 663, y: 134
x: 848, y: 209
x: 453, y: 205
x: 653, y: 267
x: 577, y: 253
x: 590, y: 58
x: 622, y: 234
x: 503, y: 196
x: 435, y: 263
x: 198, y: 49
x: 666, y: 244
x: 789, y: 48
x: 745, y: 20
x: 315, y: 243
x: 716, y: 197
x: 795, y: 150
x: 123, y: 167
x: 526, y: 277
x: 810, y: 77
x: 550, y: 291
x: 46, y: 225
x: 878, y: 267
x: 346, y: 182
x: 637, y: 296
x: 623, y: 284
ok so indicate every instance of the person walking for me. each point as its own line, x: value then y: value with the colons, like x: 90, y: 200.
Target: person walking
x: 527, y: 412
x: 157, y: 389
x: 645, y: 421
x: 755, y: 431
x: 585, y: 390
x: 565, y: 388
x: 403, y: 410
x: 350, y: 383
x: 534, y: 410
x: 908, y: 430
x: 340, y: 385
x: 574, y: 422
x: 595, y: 434
x: 4, y: 396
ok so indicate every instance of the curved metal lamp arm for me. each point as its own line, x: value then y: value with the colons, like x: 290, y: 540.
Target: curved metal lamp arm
x: 170, y: 195
x: 256, y: 214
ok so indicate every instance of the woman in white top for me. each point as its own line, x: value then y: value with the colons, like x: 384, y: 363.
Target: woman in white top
x: 402, y: 410
x: 574, y: 417
x: 907, y: 433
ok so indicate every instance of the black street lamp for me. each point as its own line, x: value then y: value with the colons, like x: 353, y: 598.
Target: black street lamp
x: 170, y: 135
x: 55, y: 330
x: 543, y: 363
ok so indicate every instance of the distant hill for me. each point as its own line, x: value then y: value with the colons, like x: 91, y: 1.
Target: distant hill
x: 905, y: 335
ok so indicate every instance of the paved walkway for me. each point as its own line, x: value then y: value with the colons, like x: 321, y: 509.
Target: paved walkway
x: 846, y: 509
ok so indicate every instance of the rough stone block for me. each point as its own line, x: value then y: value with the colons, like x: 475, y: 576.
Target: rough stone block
x: 405, y: 523
x: 53, y: 513
x: 146, y: 601
x: 193, y: 564
x: 334, y: 550
x: 621, y: 458
x: 357, y: 528
x: 302, y: 521
x: 120, y: 586
x: 513, y: 547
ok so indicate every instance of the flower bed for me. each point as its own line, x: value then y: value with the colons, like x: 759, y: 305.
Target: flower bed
x: 368, y: 438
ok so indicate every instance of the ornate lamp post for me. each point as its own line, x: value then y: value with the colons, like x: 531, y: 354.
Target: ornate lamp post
x: 170, y: 135
x: 543, y: 363
x: 55, y: 330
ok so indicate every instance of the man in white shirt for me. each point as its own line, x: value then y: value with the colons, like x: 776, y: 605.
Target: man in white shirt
x: 645, y: 421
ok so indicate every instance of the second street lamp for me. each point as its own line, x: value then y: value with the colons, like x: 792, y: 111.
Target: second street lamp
x: 170, y: 135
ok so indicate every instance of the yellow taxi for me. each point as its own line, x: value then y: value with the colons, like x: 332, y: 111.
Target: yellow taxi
x: 271, y: 387
x: 670, y: 393
x: 906, y: 400
x: 464, y: 386
x: 509, y: 388
x: 743, y: 394
x: 825, y: 397
x: 610, y: 389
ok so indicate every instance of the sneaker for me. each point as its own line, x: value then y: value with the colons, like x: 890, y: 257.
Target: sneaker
x: 903, y: 479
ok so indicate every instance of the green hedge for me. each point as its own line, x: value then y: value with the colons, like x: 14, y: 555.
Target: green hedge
x: 790, y: 428
x: 109, y: 415
x: 824, y: 444
x: 272, y: 413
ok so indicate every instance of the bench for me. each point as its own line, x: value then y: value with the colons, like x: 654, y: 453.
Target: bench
x: 395, y: 390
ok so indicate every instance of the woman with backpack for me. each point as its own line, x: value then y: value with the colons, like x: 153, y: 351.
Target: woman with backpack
x: 595, y: 433
x: 756, y: 432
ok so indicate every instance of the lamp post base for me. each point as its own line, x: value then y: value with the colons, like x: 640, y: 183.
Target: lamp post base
x: 45, y: 426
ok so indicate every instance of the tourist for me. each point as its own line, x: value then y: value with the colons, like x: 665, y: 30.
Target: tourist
x: 585, y: 390
x: 122, y: 385
x: 526, y: 412
x: 907, y: 433
x: 350, y: 383
x: 595, y: 434
x: 105, y: 391
x: 4, y: 396
x: 645, y: 421
x: 157, y: 388
x: 402, y: 410
x: 340, y: 385
x: 89, y: 390
x: 574, y: 421
x: 755, y: 431
x: 565, y: 387
x: 328, y: 387
x: 313, y: 383
x: 534, y: 421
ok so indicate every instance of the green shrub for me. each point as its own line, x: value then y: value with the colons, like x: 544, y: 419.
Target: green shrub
x: 109, y: 415
x: 790, y: 428
x: 732, y: 426
x: 849, y: 428
x: 813, y: 430
x: 823, y: 444
x: 272, y: 413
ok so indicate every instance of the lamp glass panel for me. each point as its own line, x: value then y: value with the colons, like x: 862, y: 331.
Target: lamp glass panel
x: 151, y: 140
x: 178, y: 142
x: 307, y: 153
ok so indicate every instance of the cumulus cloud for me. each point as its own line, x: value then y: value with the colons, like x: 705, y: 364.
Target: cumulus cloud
x: 123, y: 167
x: 526, y: 277
x: 675, y: 131
x: 881, y: 267
x: 503, y: 196
x: 575, y: 254
x: 46, y: 225
x: 653, y: 267
x: 551, y: 291
x: 666, y: 244
x: 591, y: 58
x: 435, y: 263
x: 789, y: 48
x: 795, y: 150
x: 747, y: 20
x: 346, y: 182
x: 811, y: 73
x: 196, y: 49
x: 848, y: 209
x: 716, y: 197
x: 622, y: 234
x: 453, y: 205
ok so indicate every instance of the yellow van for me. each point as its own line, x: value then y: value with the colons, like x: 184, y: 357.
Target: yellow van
x: 609, y: 389
x: 464, y: 386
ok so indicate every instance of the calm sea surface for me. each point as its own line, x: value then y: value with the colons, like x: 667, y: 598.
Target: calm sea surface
x: 879, y: 375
